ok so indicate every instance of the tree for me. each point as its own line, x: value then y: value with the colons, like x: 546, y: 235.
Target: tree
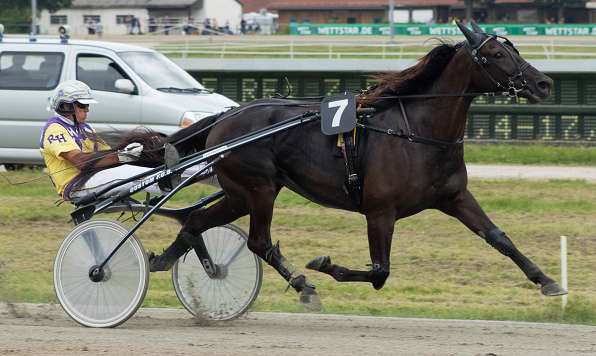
x: 16, y: 14
x: 52, y: 5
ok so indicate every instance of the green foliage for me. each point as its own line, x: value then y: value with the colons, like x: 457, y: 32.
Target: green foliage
x: 533, y: 153
x: 52, y: 5
x: 15, y: 15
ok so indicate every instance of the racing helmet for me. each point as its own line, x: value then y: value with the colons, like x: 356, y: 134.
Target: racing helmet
x: 69, y: 92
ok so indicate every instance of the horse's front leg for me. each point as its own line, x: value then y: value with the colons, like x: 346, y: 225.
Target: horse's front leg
x: 380, y: 227
x: 465, y: 208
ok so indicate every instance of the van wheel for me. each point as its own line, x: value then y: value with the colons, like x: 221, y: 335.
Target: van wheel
x: 13, y: 166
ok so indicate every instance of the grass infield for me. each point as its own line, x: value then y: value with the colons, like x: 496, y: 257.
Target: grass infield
x: 439, y: 268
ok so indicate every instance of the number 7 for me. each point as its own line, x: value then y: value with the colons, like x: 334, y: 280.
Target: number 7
x: 342, y: 105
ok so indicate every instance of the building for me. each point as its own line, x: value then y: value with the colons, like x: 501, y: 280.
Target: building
x: 256, y: 5
x: 156, y: 16
x: 432, y: 11
x: 331, y: 11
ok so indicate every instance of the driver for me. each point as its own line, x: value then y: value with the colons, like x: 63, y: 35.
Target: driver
x: 69, y: 145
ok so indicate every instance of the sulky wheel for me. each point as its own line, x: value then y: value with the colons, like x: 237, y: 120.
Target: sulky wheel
x: 105, y: 299
x: 237, y: 281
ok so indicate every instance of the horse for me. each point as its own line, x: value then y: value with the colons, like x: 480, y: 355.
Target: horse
x: 399, y: 177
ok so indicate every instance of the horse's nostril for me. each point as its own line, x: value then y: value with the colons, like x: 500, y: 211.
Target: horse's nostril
x: 544, y: 86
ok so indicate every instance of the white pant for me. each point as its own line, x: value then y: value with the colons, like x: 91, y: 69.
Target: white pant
x: 103, y: 178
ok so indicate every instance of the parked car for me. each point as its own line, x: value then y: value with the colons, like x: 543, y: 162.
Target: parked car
x: 134, y: 86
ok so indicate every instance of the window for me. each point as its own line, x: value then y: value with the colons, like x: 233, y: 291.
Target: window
x: 121, y: 19
x: 91, y: 18
x: 422, y: 16
x: 352, y: 20
x: 401, y: 16
x: 58, y: 20
x: 99, y: 72
x: 30, y: 70
x: 158, y: 71
x: 377, y: 20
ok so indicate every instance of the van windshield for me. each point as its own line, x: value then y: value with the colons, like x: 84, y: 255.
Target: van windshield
x: 160, y: 72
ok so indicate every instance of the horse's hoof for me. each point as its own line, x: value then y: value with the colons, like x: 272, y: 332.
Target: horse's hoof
x: 553, y: 289
x: 310, y: 300
x: 318, y: 263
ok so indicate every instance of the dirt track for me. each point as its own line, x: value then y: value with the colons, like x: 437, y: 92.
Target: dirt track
x: 46, y: 330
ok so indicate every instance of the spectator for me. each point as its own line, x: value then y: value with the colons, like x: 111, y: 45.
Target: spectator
x: 243, y: 27
x: 135, y: 24
x: 50, y: 68
x: 226, y: 28
x: 206, y: 27
x: 189, y: 28
x: 167, y: 25
x: 152, y: 25
x: 129, y: 22
x: 90, y: 27
x: 138, y: 23
x: 99, y: 29
x: 16, y: 74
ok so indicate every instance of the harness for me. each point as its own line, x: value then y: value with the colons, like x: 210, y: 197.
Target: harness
x: 511, y: 89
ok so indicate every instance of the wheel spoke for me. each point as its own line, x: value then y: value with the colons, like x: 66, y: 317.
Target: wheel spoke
x: 113, y: 300
x: 227, y: 296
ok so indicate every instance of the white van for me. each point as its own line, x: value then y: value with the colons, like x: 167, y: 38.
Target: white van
x: 134, y: 86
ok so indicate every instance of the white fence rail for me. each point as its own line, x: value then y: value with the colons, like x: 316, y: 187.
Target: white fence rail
x: 338, y: 50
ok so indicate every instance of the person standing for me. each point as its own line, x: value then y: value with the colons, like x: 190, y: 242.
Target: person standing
x: 99, y: 29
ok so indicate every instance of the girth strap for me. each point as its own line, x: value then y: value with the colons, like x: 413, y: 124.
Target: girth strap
x: 350, y: 154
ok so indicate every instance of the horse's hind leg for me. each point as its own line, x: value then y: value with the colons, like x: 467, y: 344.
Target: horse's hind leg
x: 380, y: 227
x: 465, y: 208
x: 222, y: 212
x: 260, y: 201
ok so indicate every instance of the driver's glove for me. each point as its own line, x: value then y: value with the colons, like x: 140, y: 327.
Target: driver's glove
x: 130, y: 153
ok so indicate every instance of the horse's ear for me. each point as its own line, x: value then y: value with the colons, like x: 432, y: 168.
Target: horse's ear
x: 473, y: 38
x: 476, y: 28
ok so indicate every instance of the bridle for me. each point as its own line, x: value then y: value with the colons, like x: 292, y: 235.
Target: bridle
x: 510, y: 89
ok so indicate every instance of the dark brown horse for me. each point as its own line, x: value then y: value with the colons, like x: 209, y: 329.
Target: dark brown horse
x: 399, y: 177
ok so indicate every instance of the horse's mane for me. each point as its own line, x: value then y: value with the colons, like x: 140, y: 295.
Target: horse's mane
x: 412, y: 80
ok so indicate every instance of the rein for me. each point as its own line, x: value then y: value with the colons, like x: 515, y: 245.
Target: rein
x: 225, y: 117
x: 511, y: 90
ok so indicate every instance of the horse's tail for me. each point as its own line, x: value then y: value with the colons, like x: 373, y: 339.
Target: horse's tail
x: 186, y: 141
x: 194, y: 137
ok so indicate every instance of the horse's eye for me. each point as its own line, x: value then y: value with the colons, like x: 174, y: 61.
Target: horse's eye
x: 499, y: 55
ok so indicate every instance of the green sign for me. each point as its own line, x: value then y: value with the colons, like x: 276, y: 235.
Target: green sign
x: 440, y: 30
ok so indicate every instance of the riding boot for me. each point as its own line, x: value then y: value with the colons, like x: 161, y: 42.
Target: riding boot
x: 166, y: 260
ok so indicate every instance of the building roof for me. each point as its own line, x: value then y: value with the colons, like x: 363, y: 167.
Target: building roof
x: 132, y: 3
x: 256, y: 5
x: 355, y: 4
x: 513, y: 1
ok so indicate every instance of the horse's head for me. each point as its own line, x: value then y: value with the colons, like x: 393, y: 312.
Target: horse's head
x: 500, y: 68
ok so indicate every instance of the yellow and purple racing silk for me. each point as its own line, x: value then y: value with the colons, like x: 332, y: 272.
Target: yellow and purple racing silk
x: 61, y: 135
